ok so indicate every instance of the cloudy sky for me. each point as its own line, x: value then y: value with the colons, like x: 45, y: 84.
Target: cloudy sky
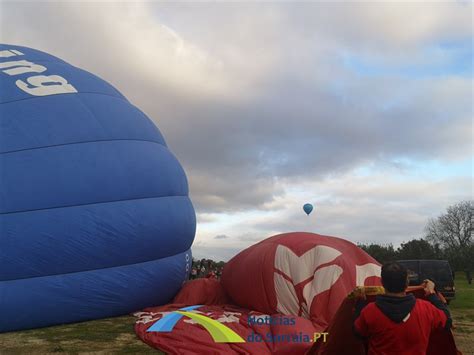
x: 363, y: 109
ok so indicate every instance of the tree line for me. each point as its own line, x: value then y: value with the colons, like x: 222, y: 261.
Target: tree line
x: 447, y: 237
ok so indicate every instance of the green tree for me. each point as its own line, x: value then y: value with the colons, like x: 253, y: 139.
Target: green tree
x: 453, y: 231
x: 381, y: 253
x: 418, y: 249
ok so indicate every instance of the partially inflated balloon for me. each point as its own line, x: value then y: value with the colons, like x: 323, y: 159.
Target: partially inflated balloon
x: 308, y: 208
x: 95, y: 218
x: 298, y: 274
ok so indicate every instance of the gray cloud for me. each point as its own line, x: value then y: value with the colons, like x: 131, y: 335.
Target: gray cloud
x: 221, y: 236
x: 381, y: 210
x: 255, y: 99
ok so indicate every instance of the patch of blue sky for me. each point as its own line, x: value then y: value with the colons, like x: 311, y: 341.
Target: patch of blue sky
x: 442, y: 59
x: 406, y: 169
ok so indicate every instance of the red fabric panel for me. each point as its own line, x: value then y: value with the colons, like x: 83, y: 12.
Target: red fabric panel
x: 250, y: 277
x: 190, y: 338
x: 202, y: 291
x: 340, y: 339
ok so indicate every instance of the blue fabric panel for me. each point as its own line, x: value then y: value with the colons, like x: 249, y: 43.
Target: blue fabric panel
x: 43, y: 301
x: 63, y: 119
x: 64, y: 240
x: 88, y: 173
x: 95, y: 216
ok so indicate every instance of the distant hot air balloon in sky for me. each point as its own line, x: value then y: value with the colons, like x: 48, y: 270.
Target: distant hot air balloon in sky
x: 95, y: 218
x: 308, y: 208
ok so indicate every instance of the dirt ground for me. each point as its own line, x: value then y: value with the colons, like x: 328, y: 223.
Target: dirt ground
x: 464, y: 330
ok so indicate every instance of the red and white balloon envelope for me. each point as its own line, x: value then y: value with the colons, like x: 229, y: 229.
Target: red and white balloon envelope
x: 275, y: 294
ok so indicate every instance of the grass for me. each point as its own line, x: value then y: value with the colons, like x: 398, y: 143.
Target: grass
x: 464, y: 293
x: 117, y: 336
x: 104, y: 336
x: 462, y: 311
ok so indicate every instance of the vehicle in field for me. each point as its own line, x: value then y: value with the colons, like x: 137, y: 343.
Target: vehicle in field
x: 438, y: 271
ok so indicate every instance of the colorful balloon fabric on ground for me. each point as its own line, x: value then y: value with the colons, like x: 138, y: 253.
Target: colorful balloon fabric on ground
x: 294, y: 283
x: 95, y: 218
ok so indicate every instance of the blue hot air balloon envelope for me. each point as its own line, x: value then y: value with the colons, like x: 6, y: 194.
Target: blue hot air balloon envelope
x: 95, y: 218
x: 308, y: 208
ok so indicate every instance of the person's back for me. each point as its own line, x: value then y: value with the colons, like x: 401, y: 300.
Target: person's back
x: 397, y: 323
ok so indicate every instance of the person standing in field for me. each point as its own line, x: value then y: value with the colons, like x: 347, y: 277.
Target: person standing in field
x: 397, y: 323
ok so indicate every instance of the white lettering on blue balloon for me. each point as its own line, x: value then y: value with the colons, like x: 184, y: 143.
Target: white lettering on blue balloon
x: 9, y: 53
x: 42, y: 85
x: 21, y: 67
x: 38, y: 85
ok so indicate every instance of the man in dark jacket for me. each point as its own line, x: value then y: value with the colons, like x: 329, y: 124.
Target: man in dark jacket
x: 397, y: 323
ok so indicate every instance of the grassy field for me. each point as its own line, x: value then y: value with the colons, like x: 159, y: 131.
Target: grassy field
x: 462, y: 310
x: 105, y: 336
x: 116, y: 335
